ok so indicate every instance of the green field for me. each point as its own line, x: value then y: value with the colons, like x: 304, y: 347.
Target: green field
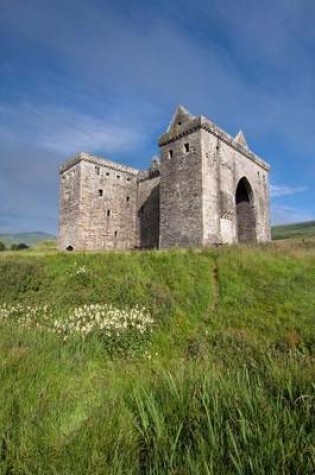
x: 220, y: 381
x: 30, y: 239
x: 298, y: 230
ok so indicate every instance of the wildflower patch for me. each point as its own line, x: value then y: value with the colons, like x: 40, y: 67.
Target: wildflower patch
x: 113, y: 324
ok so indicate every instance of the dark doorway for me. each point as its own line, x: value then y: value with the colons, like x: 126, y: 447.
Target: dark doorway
x: 245, y: 212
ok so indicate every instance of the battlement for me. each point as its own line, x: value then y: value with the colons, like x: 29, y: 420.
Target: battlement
x: 102, y: 162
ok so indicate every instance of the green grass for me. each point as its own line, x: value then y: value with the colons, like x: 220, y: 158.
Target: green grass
x: 225, y: 384
x: 298, y: 230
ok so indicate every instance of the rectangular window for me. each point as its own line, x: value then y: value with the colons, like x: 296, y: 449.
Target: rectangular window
x: 186, y: 147
x: 127, y: 199
x: 100, y: 192
x: 116, y: 234
x: 170, y: 154
x: 118, y: 176
x: 108, y: 212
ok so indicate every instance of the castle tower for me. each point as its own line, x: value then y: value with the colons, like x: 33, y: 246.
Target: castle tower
x: 98, y: 204
x: 213, y: 189
x: 181, y: 221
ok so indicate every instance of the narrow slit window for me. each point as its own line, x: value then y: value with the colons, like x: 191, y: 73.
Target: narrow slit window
x: 108, y: 212
x: 170, y: 154
x: 186, y: 147
x: 116, y: 234
x: 100, y: 192
x: 128, y: 199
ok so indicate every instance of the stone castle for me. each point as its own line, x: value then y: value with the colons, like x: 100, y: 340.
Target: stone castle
x: 206, y: 188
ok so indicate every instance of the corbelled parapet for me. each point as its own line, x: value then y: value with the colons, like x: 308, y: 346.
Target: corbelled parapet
x: 185, y: 127
x: 82, y: 156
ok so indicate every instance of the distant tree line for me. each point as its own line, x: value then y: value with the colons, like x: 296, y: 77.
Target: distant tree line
x: 13, y: 247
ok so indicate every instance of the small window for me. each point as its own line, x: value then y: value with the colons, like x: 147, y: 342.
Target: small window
x: 116, y: 234
x: 128, y: 178
x: 69, y: 248
x: 179, y: 123
x: 100, y: 192
x: 170, y: 154
x: 118, y: 176
x: 108, y: 212
x: 186, y: 147
x: 128, y: 199
x: 107, y: 173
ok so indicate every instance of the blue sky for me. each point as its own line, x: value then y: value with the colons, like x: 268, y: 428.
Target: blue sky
x: 105, y: 77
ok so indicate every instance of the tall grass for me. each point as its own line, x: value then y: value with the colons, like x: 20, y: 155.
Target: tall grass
x: 225, y: 384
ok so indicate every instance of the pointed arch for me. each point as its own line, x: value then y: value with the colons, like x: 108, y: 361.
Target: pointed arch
x: 245, y: 212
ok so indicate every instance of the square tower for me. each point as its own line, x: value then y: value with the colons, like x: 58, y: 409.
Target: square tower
x: 181, y: 221
x: 213, y: 189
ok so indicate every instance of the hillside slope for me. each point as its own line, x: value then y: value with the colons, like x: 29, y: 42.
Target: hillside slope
x: 297, y: 230
x: 219, y: 361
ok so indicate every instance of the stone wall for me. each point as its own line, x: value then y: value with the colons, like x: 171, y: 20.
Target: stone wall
x: 223, y: 168
x: 69, y: 205
x: 149, y: 212
x: 181, y: 192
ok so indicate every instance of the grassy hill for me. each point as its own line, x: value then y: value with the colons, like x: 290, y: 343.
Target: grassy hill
x: 298, y: 230
x: 176, y: 362
x: 30, y: 239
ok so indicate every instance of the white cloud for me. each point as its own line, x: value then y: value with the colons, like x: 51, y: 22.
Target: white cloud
x: 285, y: 190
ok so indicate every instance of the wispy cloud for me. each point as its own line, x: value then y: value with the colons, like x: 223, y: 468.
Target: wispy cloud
x: 285, y: 190
x: 282, y: 214
x: 67, y: 131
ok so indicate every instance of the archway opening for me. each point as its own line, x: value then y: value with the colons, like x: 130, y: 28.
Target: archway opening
x: 245, y: 212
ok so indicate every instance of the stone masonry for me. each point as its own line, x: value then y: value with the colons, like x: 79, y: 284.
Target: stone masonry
x: 206, y: 188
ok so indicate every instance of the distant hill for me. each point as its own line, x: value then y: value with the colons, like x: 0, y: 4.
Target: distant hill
x: 296, y: 230
x: 30, y: 239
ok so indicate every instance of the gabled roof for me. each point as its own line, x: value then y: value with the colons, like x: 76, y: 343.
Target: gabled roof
x: 240, y: 139
x: 180, y: 116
